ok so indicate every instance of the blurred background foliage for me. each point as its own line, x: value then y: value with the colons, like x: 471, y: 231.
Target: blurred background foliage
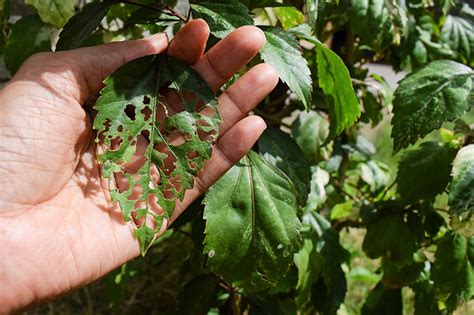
x: 382, y: 232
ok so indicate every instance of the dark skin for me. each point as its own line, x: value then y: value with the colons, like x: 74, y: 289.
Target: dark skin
x: 58, y: 229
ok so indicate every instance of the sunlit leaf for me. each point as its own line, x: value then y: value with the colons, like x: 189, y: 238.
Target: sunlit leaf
x: 252, y: 227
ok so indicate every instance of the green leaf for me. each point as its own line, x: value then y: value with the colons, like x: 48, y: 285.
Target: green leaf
x: 54, y: 12
x: 314, y: 8
x: 281, y: 150
x: 321, y: 281
x: 427, y: 98
x: 389, y: 236
x: 461, y: 192
x: 378, y: 23
x: 283, y: 52
x: 255, y: 4
x: 458, y: 34
x: 82, y: 25
x: 29, y: 35
x: 335, y: 81
x: 317, y: 196
x: 424, y: 173
x: 384, y: 301
x: 341, y: 210
x: 199, y: 295
x: 252, y: 227
x: 222, y: 16
x: 425, y: 299
x: 452, y: 271
x: 4, y: 17
x: 310, y: 131
x: 289, y: 17
x: 394, y: 277
x: 375, y: 174
x: 126, y: 111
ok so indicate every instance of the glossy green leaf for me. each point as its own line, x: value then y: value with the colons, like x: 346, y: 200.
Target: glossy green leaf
x: 127, y: 110
x: 427, y: 98
x: 29, y: 35
x: 458, y: 34
x: 452, y: 272
x: 424, y: 173
x: 461, y: 192
x: 252, y: 227
x: 335, y: 81
x: 283, y: 52
x: 281, y: 150
x: 389, y: 236
x: 223, y: 16
x: 82, y: 25
x: 310, y: 131
x: 54, y: 12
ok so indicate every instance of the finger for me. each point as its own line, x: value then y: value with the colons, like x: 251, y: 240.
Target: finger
x: 245, y: 94
x: 227, y: 151
x: 228, y: 56
x: 190, y: 42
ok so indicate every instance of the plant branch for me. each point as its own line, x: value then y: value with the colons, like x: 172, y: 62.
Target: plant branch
x: 165, y: 9
x: 175, y: 13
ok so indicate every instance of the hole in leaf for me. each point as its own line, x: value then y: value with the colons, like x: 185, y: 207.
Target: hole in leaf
x: 130, y: 111
x: 146, y: 112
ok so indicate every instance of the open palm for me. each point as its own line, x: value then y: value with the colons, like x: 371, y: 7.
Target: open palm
x: 58, y: 228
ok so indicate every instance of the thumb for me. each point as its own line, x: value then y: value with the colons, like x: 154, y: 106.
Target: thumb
x: 86, y: 68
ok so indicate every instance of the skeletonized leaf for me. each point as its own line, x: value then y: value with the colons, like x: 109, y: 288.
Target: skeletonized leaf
x: 29, y: 35
x: 252, y: 227
x: 424, y: 173
x: 427, y: 98
x: 54, y: 12
x: 82, y: 25
x: 283, y: 52
x: 127, y: 117
x: 461, y: 191
x: 223, y: 16
x: 281, y: 150
x: 335, y: 81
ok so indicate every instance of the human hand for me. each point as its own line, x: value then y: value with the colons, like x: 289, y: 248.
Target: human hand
x: 58, y: 228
